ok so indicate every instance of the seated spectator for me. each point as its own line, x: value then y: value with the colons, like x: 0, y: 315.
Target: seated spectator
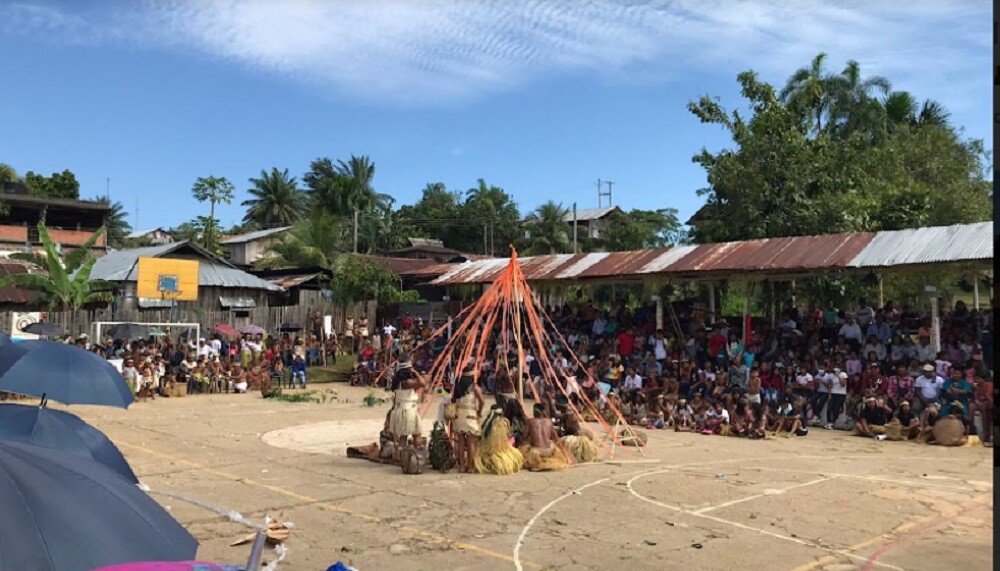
x: 299, y: 371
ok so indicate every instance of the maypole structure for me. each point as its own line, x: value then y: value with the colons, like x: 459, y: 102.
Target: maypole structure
x: 510, y: 316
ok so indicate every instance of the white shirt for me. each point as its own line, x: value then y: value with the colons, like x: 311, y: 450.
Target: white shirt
x: 659, y: 348
x: 388, y: 330
x: 926, y: 353
x: 803, y: 380
x: 929, y: 388
x: 204, y: 350
x: 864, y: 315
x: 633, y: 382
x: 598, y: 328
x: 216, y: 346
x: 851, y: 331
x: 839, y: 386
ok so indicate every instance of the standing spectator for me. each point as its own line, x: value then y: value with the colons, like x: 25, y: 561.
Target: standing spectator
x: 851, y: 332
x: 865, y: 314
x: 838, y: 396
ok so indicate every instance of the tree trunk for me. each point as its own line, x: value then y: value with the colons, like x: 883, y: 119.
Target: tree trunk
x: 355, y: 230
x: 210, y: 227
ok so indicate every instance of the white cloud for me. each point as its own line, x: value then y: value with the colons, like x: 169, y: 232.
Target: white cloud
x: 434, y: 51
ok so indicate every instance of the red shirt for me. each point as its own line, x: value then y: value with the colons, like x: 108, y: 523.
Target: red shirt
x: 715, y: 342
x: 770, y: 381
x: 407, y: 322
x: 626, y: 344
x: 367, y: 354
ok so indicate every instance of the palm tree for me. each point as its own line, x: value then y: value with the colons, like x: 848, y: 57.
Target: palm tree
x: 7, y: 174
x: 547, y: 230
x: 357, y: 192
x: 808, y: 89
x: 68, y: 284
x: 116, y: 224
x: 378, y: 230
x: 313, y: 241
x: 214, y: 190
x: 901, y: 108
x: 852, y: 106
x: 276, y: 200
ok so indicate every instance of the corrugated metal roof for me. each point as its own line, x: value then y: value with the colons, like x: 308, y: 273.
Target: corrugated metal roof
x: 774, y: 255
x: 141, y: 233
x: 153, y: 303
x: 402, y: 266
x: 589, y: 214
x: 122, y: 266
x: 12, y: 293
x: 935, y: 244
x: 251, y: 236
x: 291, y: 281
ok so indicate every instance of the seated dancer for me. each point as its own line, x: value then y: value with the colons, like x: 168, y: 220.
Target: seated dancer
x: 505, y: 389
x: 908, y: 423
x: 871, y: 418
x: 404, y: 421
x: 931, y: 416
x: 953, y: 429
x: 540, y: 451
x: 469, y: 398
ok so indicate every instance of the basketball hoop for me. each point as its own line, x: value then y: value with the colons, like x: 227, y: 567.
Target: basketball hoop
x: 169, y: 288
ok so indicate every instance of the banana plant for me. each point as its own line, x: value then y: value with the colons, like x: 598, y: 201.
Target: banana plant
x: 67, y: 284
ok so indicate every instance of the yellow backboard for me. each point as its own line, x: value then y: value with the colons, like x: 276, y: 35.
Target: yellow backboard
x: 163, y: 278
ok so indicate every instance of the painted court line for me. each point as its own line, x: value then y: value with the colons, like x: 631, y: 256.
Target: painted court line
x: 755, y: 496
x: 776, y: 535
x: 327, y: 505
x: 531, y: 522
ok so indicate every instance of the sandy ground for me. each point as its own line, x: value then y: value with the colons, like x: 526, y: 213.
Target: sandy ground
x: 828, y: 501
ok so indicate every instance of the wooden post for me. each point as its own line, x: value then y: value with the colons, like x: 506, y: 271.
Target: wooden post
x: 711, y: 302
x: 975, y: 291
x: 659, y: 313
x: 881, y: 293
x: 935, y: 323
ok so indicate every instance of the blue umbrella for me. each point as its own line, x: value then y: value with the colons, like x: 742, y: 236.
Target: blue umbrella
x: 63, y: 373
x: 60, y: 430
x: 64, y: 513
x: 5, y: 339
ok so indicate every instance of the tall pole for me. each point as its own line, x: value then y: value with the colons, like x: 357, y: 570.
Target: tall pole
x: 975, y: 291
x: 599, y: 193
x: 575, y: 250
x: 711, y: 302
x: 486, y: 244
x: 611, y: 202
x: 355, y: 229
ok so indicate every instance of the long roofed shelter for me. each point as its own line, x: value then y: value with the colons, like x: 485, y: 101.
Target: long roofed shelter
x: 774, y: 259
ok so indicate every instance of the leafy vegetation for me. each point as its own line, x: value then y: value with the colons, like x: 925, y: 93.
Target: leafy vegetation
x: 276, y: 200
x: 214, y: 190
x: 67, y: 284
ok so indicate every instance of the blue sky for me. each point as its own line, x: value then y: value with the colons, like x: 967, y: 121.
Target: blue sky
x: 540, y: 97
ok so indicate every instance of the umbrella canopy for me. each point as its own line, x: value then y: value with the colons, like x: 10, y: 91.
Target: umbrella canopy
x: 290, y: 327
x: 252, y: 330
x: 63, y: 431
x: 128, y: 331
x: 155, y: 331
x: 63, y: 373
x: 173, y: 566
x: 4, y: 339
x: 227, y: 330
x: 44, y: 328
x: 64, y: 513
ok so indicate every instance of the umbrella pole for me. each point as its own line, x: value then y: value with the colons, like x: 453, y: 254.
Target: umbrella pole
x: 257, y: 551
x: 44, y: 401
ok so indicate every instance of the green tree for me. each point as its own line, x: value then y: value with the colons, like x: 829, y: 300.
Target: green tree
x: 357, y: 278
x: 437, y: 215
x: 7, y: 174
x: 640, y: 229
x: 781, y: 178
x: 854, y: 106
x: 59, y: 185
x: 808, y: 92
x: 379, y: 230
x: 345, y: 188
x: 214, y: 190
x: 547, y: 231
x: 313, y: 241
x: 492, y: 209
x: 116, y: 224
x: 276, y: 200
x: 67, y: 284
x: 190, y: 231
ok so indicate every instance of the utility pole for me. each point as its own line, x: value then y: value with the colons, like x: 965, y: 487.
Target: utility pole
x: 486, y: 243
x: 575, y: 250
x: 108, y: 191
x: 599, y: 193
